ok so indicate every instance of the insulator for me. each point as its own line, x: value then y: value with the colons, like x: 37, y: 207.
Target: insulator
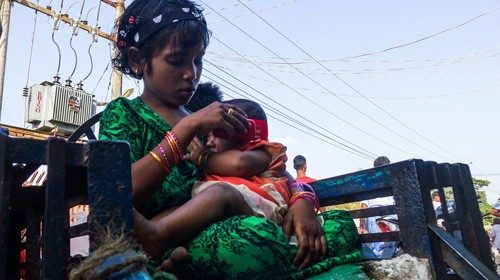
x: 68, y: 83
x: 26, y: 91
x: 56, y: 80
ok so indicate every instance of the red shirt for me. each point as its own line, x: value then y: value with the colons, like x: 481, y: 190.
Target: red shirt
x: 305, y: 179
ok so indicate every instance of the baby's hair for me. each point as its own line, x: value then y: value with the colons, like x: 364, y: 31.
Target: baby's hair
x: 251, y: 108
x: 205, y: 94
x: 182, y: 33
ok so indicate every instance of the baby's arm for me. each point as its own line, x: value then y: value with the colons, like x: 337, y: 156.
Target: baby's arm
x: 233, y: 163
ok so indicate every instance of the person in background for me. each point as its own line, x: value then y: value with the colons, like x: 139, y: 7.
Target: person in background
x: 495, y: 237
x: 300, y: 166
x: 436, y: 200
x: 369, y: 225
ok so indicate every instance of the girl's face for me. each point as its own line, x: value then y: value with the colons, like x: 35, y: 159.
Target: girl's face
x: 174, y: 73
x: 219, y: 145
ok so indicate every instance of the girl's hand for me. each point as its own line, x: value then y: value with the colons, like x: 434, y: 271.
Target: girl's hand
x: 302, y: 220
x: 195, y: 148
x: 220, y: 116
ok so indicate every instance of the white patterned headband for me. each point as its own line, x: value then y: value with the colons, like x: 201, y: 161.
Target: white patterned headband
x: 139, y: 29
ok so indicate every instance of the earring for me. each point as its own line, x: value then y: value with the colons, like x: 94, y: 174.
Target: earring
x: 136, y: 70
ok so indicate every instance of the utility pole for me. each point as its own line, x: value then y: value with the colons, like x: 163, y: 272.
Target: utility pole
x: 5, y: 6
x: 5, y: 22
x: 116, y: 76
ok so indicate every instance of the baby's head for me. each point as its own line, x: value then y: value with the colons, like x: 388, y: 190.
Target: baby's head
x: 151, y: 25
x: 258, y: 130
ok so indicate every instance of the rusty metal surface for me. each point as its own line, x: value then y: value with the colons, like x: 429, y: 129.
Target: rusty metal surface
x: 105, y: 160
x: 372, y: 212
x: 410, y: 211
x: 461, y: 260
x: 96, y: 173
x: 483, y: 250
x: 5, y: 198
x: 33, y: 242
x: 56, y: 222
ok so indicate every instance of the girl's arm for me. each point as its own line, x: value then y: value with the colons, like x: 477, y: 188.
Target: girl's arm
x: 150, y: 171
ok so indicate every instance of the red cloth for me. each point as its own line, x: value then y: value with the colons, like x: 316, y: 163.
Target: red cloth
x: 305, y: 179
x: 273, y: 175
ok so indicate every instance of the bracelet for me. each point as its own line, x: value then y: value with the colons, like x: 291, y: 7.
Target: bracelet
x: 164, y: 154
x: 202, y: 160
x: 311, y: 197
x: 303, y: 186
x: 173, y: 143
x: 158, y: 159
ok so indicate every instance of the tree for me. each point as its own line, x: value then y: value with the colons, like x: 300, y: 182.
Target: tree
x: 479, y: 183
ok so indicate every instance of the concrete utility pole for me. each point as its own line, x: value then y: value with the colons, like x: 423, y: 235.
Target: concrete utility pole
x: 116, y: 76
x: 5, y: 22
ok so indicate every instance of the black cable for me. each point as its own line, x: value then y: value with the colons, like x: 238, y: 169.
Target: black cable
x: 270, y: 108
x: 311, y: 79
x: 295, y: 90
x: 289, y: 110
x: 356, y: 90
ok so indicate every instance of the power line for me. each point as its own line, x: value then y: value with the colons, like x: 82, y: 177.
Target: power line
x: 424, y: 38
x: 315, y: 103
x: 340, y: 145
x: 286, y: 108
x: 270, y: 59
x: 363, y: 113
x: 425, y: 96
x: 357, y: 91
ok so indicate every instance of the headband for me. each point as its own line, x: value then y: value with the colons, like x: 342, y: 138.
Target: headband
x: 256, y: 131
x: 138, y: 28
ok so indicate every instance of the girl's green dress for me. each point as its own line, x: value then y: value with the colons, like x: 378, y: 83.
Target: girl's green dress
x: 241, y: 247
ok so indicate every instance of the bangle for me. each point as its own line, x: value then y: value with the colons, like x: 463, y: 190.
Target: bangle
x: 164, y: 154
x: 173, y: 143
x: 158, y: 159
x: 303, y: 186
x: 311, y: 197
x: 203, y: 160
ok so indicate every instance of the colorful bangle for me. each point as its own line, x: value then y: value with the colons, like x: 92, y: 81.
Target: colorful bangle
x: 174, y: 145
x: 164, y: 154
x: 307, y: 196
x: 158, y: 159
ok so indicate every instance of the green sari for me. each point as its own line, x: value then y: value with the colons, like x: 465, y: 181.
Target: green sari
x: 241, y: 247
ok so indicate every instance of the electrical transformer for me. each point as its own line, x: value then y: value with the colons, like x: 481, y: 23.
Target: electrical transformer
x: 56, y: 108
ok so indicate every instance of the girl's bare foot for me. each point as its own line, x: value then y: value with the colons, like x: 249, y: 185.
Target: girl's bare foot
x: 177, y: 264
x: 145, y: 233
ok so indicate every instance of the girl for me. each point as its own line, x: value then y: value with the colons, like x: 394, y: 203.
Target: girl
x: 163, y: 43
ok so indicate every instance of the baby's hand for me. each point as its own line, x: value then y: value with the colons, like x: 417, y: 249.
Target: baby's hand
x: 195, y: 148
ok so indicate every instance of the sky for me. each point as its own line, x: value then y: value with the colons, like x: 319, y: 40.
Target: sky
x: 341, y: 81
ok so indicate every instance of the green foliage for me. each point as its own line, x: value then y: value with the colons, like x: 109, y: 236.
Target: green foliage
x: 479, y: 183
x: 484, y: 206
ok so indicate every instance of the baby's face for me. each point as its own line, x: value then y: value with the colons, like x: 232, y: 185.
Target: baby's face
x: 218, y: 144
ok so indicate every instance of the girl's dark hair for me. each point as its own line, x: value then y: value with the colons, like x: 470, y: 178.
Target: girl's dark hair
x: 251, y: 108
x: 183, y: 33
